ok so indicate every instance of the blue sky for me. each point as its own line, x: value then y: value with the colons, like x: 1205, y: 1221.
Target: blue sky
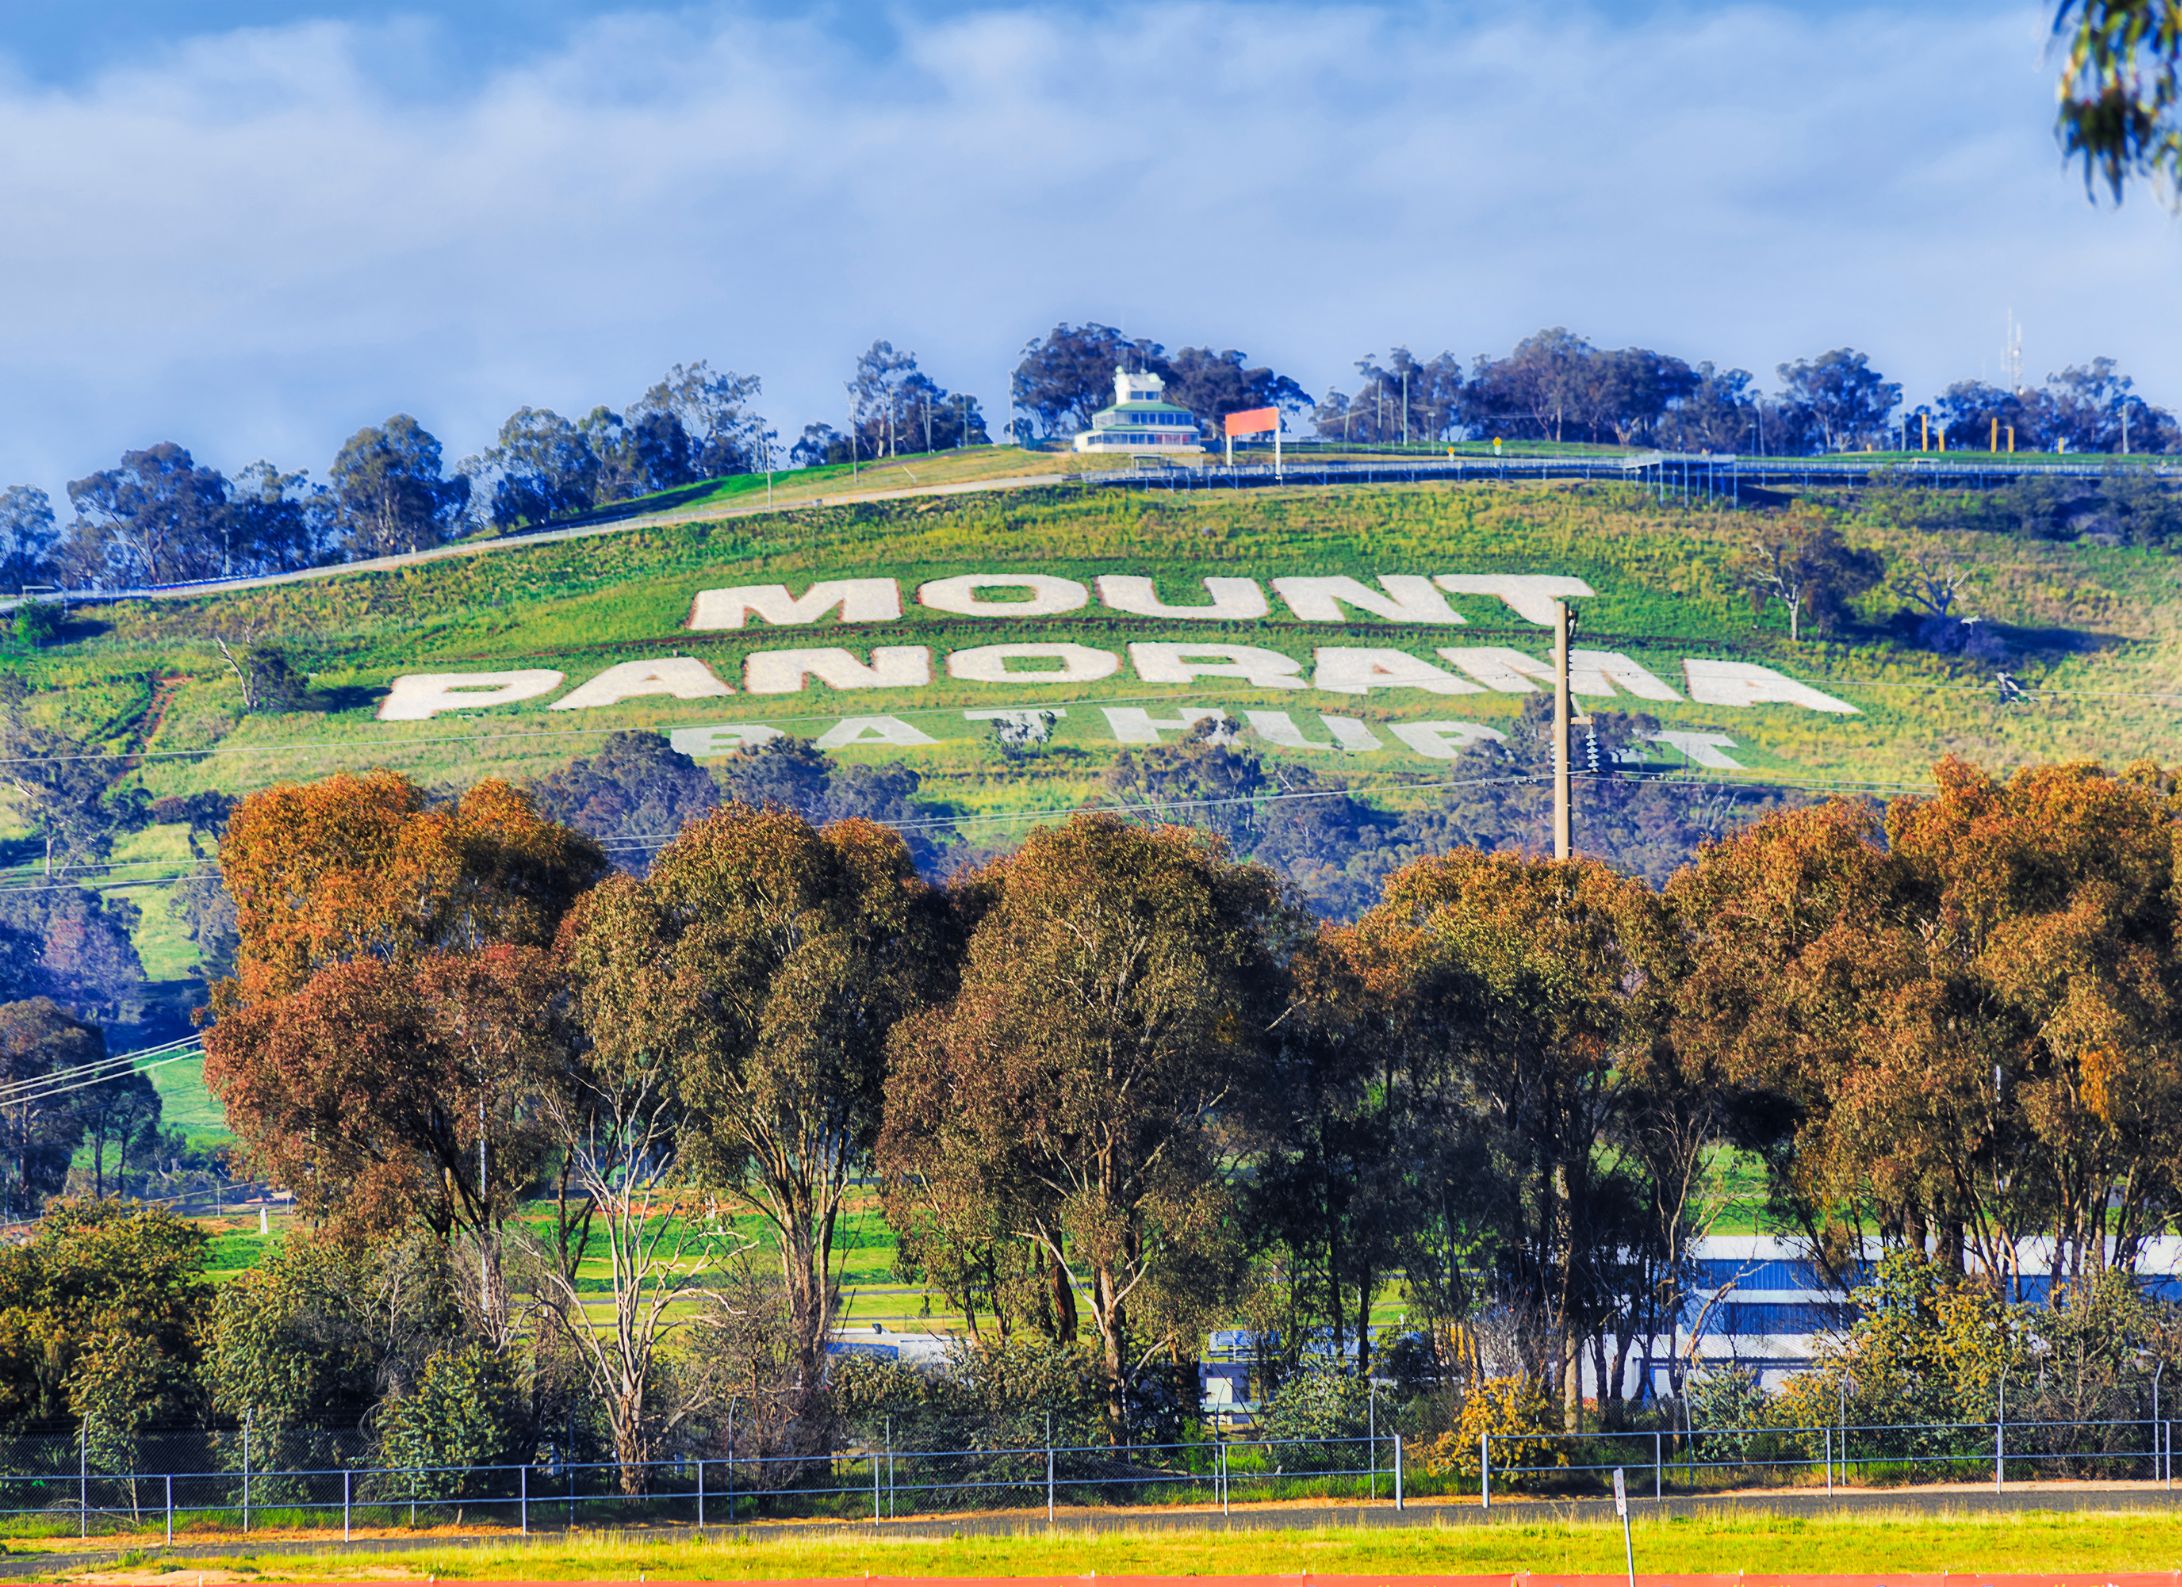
x: 257, y: 229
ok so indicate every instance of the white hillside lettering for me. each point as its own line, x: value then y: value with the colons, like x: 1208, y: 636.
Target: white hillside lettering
x: 1233, y: 600
x: 1061, y: 663
x: 1590, y: 672
x: 420, y: 696
x: 1042, y: 595
x: 1529, y: 595
x: 852, y: 600
x: 1745, y: 683
x: 682, y: 677
x: 1351, y: 669
x: 1343, y: 733
x: 786, y: 671
x: 1401, y: 598
x: 1169, y: 663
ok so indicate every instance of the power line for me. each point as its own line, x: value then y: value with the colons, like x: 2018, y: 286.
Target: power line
x: 76, y: 1077
x: 624, y: 843
x: 97, y: 1063
x: 99, y: 1080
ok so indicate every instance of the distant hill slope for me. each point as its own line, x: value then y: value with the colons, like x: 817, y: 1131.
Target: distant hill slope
x: 2093, y: 634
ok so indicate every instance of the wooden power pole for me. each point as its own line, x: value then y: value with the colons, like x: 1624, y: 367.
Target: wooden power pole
x: 1564, y: 625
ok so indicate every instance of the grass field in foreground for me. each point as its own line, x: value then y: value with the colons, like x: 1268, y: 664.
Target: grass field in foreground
x: 1894, y: 1540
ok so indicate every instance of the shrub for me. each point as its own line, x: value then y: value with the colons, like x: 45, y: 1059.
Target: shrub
x: 1727, y: 1407
x: 991, y: 1395
x: 463, y: 1412
x: 37, y: 623
x: 1522, y: 1420
x: 1316, y: 1405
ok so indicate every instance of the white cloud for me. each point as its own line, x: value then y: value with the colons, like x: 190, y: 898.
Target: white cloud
x: 266, y: 238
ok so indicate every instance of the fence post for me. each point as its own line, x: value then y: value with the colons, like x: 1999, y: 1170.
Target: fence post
x: 344, y: 1504
x: 1398, y: 1500
x: 246, y: 1471
x: 522, y: 1495
x: 1049, y: 1468
x: 2000, y: 1440
x: 700, y: 1493
x: 1223, y: 1476
x: 1485, y: 1471
x: 1659, y: 1474
x: 170, y: 1510
x: 83, y: 1477
x: 1829, y: 1459
x: 873, y: 1455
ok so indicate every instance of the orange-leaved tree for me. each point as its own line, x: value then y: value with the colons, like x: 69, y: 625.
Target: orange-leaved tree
x: 1523, y: 989
x: 371, y: 867
x: 395, y: 1010
x: 1970, y: 1013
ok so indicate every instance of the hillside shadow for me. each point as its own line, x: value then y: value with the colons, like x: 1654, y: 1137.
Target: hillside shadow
x: 663, y: 501
x: 2055, y: 643
x: 340, y: 697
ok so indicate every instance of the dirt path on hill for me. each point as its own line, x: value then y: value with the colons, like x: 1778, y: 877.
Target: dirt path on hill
x: 657, y: 520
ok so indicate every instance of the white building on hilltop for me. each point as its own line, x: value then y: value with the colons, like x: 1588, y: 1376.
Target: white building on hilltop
x: 1141, y: 421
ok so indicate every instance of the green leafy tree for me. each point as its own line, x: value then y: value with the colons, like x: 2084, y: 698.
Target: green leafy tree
x: 634, y: 787
x: 38, y: 623
x: 1929, y: 1348
x: 392, y: 489
x: 1521, y: 990
x: 463, y: 1411
x: 118, y: 1116
x: 711, y: 411
x: 2121, y: 91
x: 1115, y: 996
x: 1214, y: 384
x: 899, y: 408
x: 158, y: 518
x: 1800, y: 560
x: 271, y: 683
x: 1841, y: 396
x: 38, y: 1133
x: 1966, y: 1017
x: 99, y: 1315
x: 542, y: 467
x: 1316, y: 1405
x: 1327, y: 1192
x: 1067, y: 374
x: 322, y: 1328
x: 758, y: 970
x: 68, y: 787
x: 27, y: 537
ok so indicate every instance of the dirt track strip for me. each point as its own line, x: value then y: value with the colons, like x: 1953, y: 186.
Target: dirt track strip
x: 2085, y: 1578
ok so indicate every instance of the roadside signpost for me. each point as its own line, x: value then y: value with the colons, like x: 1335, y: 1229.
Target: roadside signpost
x: 1621, y: 1508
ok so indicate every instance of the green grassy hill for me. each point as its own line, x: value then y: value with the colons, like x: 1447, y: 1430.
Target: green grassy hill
x: 2096, y: 635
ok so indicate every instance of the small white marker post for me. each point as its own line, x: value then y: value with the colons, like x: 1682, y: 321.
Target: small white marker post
x: 1621, y: 1508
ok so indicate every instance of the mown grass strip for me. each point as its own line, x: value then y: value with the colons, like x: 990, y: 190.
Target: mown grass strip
x: 1867, y: 1541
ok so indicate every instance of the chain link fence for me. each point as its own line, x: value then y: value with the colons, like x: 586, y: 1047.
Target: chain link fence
x: 236, y: 1482
x: 1726, y: 1460
x: 323, y: 1480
